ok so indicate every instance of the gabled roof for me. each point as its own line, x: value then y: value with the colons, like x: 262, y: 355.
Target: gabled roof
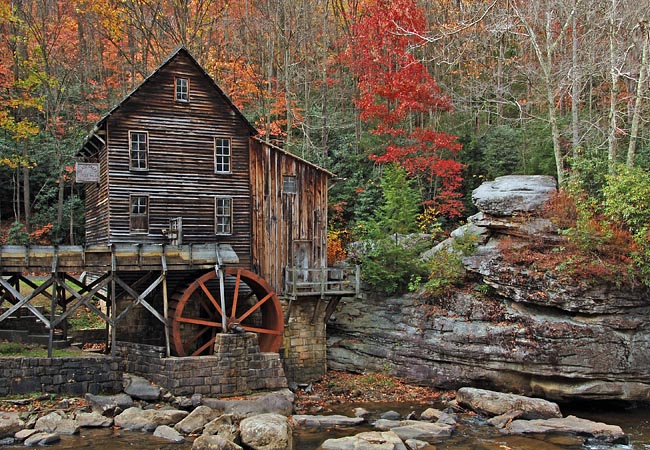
x: 293, y: 155
x: 93, y: 142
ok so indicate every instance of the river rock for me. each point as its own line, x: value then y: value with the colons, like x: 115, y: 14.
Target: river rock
x: 10, y: 423
x: 278, y: 402
x: 196, y: 420
x: 21, y: 435
x: 223, y: 426
x: 109, y: 405
x: 387, y: 424
x: 493, y: 403
x: 430, y: 414
x: 135, y: 418
x: 414, y: 444
x: 55, y: 423
x: 504, y: 419
x: 391, y: 415
x: 209, y: 442
x: 41, y: 439
x: 424, y: 431
x: 168, y: 433
x: 266, y: 432
x: 307, y: 421
x: 514, y: 194
x: 572, y: 425
x: 92, y: 420
x: 370, y: 440
x: 141, y: 388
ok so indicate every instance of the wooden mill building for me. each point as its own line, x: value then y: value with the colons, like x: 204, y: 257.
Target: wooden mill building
x: 176, y: 165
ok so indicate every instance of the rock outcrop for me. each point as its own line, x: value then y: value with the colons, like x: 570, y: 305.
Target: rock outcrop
x: 516, y: 328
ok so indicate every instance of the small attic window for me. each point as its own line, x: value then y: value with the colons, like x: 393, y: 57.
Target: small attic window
x: 290, y: 184
x: 182, y: 90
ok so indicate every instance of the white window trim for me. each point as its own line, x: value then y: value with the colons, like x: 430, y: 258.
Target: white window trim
x: 216, y: 170
x: 216, y: 215
x: 146, y: 151
x: 180, y: 100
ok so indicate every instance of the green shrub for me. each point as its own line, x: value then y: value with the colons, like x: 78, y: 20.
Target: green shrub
x: 388, y: 266
x: 446, y: 266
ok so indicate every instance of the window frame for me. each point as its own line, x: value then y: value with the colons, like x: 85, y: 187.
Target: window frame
x: 178, y: 84
x: 222, y: 161
x: 289, y: 184
x: 133, y: 166
x: 217, y: 216
x: 133, y: 215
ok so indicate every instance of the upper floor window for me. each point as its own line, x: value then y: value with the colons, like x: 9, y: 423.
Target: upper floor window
x: 139, y: 213
x: 182, y: 90
x: 138, y: 150
x: 222, y: 155
x: 223, y: 215
x: 289, y: 184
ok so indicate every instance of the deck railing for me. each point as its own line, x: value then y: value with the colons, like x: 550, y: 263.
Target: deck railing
x: 323, y: 282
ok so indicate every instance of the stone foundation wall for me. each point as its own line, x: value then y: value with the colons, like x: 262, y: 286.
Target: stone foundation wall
x: 68, y: 376
x: 237, y: 367
x: 304, y: 351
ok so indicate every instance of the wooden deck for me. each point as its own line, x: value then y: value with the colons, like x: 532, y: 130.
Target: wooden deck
x: 323, y: 282
x: 116, y: 257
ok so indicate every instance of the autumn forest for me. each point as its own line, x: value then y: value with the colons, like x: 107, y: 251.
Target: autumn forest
x: 410, y: 103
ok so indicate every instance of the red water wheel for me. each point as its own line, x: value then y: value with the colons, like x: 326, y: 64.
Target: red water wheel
x: 196, y: 314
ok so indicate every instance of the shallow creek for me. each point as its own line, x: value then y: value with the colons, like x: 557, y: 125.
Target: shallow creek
x: 471, y: 434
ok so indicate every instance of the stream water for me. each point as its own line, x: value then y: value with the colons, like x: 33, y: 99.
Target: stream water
x: 471, y: 433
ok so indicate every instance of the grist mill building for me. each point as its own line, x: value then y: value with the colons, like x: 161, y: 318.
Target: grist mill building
x: 197, y: 229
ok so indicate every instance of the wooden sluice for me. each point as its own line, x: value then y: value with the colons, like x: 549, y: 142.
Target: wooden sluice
x: 132, y: 271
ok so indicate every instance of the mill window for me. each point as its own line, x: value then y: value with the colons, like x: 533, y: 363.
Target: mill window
x: 221, y: 155
x: 290, y: 184
x: 139, y: 213
x: 138, y: 150
x: 223, y: 215
x: 182, y: 90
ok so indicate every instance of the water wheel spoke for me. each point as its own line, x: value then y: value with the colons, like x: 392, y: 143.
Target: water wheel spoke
x: 207, y: 323
x: 235, y: 295
x: 210, y: 297
x: 255, y: 307
x: 198, y: 335
x: 261, y: 330
x: 204, y: 347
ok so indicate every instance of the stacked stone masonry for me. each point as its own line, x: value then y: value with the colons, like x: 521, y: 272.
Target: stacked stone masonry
x: 305, y: 351
x: 67, y: 376
x: 237, y: 367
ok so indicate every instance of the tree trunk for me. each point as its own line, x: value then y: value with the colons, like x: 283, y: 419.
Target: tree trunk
x: 575, y: 86
x: 640, y: 91
x: 612, y: 139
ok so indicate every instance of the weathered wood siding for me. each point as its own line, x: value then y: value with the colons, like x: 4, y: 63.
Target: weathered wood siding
x: 180, y: 180
x: 281, y: 221
x: 97, y: 205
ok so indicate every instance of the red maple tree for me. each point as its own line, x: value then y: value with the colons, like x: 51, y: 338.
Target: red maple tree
x: 397, y: 95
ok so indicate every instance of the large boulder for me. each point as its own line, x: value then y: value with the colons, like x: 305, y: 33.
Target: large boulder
x: 370, y: 440
x: 514, y: 194
x: 266, y: 432
x: 56, y: 423
x: 493, y: 403
x: 136, y: 419
x: 109, y: 405
x: 209, y: 442
x: 570, y: 425
x: 307, y: 421
x: 140, y: 388
x: 278, y: 402
x: 10, y: 423
x: 196, y: 420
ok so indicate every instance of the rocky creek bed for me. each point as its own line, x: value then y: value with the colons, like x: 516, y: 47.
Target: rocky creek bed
x: 315, y: 416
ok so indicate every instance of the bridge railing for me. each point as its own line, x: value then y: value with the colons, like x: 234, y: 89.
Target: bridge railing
x: 323, y: 282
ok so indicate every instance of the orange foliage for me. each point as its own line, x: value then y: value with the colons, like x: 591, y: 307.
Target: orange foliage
x: 336, y: 241
x: 42, y: 236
